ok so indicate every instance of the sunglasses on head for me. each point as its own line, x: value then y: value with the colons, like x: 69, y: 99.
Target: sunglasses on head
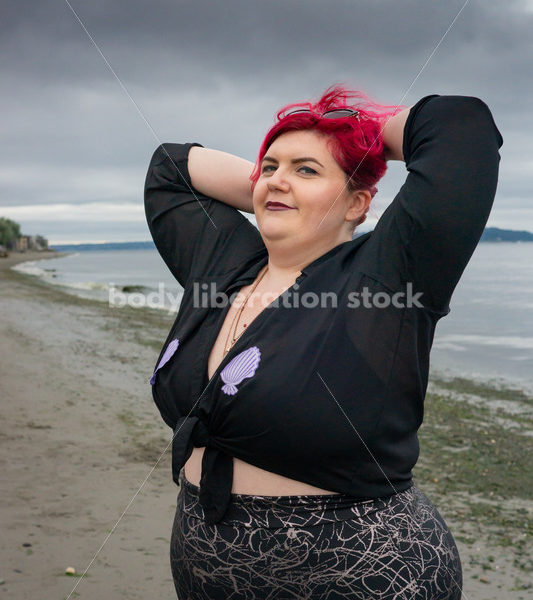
x: 336, y: 113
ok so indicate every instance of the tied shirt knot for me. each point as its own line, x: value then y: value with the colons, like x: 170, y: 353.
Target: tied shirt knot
x: 217, y: 466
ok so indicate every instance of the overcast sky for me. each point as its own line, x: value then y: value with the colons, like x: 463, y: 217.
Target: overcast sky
x: 75, y: 149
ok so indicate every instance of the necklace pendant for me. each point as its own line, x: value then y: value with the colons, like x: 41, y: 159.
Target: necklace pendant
x: 236, y: 318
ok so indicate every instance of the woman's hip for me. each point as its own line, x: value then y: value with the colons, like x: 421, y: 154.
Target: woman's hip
x: 309, y: 546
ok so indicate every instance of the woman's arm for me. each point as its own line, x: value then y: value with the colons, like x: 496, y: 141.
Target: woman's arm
x: 225, y: 177
x: 196, y: 234
x: 429, y: 232
x: 222, y: 176
x: 393, y: 135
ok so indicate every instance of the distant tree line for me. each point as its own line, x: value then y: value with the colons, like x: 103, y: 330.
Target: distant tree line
x: 495, y: 234
x: 9, y: 232
x: 42, y: 241
x: 10, y: 235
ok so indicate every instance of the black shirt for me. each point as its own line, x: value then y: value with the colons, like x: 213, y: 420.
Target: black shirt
x: 332, y: 394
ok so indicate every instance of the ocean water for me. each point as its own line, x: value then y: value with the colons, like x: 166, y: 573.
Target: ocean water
x: 136, y: 277
x: 488, y: 334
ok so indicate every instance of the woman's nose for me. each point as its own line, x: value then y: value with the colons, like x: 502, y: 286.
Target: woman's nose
x: 277, y: 181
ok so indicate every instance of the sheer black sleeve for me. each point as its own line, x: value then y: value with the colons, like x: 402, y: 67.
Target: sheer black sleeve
x: 194, y: 234
x: 429, y: 232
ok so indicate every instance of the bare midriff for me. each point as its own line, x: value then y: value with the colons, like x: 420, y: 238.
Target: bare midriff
x: 247, y: 478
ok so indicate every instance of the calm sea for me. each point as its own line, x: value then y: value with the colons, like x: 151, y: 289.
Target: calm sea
x: 488, y: 334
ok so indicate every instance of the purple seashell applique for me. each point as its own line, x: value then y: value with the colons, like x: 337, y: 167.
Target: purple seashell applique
x: 239, y: 368
x: 171, y: 348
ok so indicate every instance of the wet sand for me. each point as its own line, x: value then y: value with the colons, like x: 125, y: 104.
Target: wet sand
x: 80, y: 434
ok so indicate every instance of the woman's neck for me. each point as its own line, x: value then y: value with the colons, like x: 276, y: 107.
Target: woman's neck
x: 285, y: 265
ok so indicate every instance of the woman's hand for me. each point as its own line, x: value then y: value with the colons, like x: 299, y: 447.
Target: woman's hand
x: 393, y: 135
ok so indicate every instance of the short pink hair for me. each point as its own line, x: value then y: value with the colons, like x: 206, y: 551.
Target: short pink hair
x: 356, y: 144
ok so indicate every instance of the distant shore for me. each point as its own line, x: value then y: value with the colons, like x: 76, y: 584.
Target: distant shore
x: 80, y: 433
x: 15, y: 258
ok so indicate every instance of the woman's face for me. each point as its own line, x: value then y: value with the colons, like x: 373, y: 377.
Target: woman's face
x: 299, y: 171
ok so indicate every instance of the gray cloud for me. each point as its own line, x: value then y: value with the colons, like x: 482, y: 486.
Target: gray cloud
x: 216, y: 73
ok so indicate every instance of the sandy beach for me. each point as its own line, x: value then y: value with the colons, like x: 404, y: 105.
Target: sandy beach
x: 82, y: 442
x: 80, y: 434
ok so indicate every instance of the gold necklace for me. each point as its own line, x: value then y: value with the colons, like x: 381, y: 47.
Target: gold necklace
x: 238, y: 316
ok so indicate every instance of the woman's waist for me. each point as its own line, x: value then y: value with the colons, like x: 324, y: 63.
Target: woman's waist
x: 251, y: 480
x: 304, y: 510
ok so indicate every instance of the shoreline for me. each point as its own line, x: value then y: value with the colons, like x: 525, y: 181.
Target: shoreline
x: 96, y: 290
x: 82, y: 433
x: 16, y: 258
x: 438, y: 371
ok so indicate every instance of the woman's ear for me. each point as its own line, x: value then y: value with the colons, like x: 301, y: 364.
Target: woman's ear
x: 359, y: 203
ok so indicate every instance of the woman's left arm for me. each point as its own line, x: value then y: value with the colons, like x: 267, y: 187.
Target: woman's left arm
x: 429, y: 232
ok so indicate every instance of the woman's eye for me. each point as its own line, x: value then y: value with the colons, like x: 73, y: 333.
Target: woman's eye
x: 311, y: 171
x: 271, y: 168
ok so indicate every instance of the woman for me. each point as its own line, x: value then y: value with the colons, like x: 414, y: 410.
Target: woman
x: 295, y: 373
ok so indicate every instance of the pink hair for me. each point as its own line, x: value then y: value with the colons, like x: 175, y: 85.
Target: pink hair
x: 356, y: 144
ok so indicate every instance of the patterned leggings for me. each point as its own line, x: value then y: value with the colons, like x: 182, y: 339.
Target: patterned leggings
x: 326, y: 547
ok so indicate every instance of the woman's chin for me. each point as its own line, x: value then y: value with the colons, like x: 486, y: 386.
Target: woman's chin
x: 273, y: 231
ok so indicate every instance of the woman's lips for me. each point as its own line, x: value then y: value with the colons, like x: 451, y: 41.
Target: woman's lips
x: 277, y: 206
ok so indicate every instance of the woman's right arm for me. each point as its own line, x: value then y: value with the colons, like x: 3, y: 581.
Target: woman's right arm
x: 194, y: 221
x: 222, y: 176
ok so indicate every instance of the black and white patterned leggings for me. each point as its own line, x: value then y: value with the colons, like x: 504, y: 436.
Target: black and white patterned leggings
x: 326, y: 547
